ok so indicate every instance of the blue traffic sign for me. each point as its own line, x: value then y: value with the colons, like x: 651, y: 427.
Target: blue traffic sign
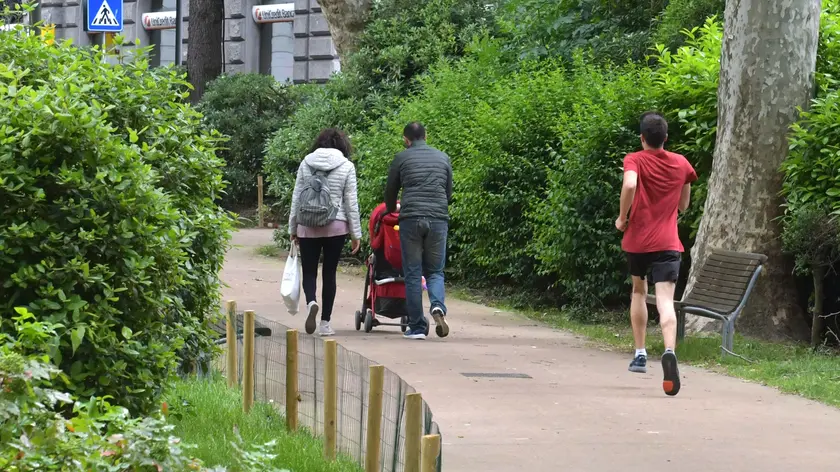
x: 104, y: 16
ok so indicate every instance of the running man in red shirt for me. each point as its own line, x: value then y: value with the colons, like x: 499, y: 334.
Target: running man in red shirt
x: 657, y: 183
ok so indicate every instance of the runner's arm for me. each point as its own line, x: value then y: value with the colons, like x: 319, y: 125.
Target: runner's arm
x: 685, y: 197
x: 628, y: 192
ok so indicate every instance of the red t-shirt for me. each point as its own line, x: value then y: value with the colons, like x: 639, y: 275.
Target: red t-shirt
x: 653, y: 214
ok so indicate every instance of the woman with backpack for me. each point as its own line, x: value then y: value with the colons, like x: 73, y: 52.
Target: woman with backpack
x: 325, y: 210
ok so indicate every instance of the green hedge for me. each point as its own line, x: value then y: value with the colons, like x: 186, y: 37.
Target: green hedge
x: 247, y: 109
x: 537, y: 157
x: 110, y: 229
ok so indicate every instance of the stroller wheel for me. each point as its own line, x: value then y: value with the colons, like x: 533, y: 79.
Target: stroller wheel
x: 368, y: 321
x: 404, y: 323
x: 358, y: 320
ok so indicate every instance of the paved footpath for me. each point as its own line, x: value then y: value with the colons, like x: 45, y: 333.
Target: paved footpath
x: 581, y: 410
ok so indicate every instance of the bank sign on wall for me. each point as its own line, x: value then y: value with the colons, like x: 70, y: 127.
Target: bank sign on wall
x: 277, y: 13
x: 158, y: 21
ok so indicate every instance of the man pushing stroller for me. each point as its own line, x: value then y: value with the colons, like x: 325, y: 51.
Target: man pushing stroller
x: 425, y: 176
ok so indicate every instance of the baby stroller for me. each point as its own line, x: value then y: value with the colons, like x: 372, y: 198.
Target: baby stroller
x: 384, y: 295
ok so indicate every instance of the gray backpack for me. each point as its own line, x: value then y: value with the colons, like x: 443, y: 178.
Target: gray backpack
x: 316, y: 208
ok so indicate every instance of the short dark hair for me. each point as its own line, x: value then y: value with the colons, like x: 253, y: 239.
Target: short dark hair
x: 414, y: 131
x: 653, y: 128
x: 333, y: 138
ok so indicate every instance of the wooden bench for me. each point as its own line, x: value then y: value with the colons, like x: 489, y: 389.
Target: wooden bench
x: 720, y: 292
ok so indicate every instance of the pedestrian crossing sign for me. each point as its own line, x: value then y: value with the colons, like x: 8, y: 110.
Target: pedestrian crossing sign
x: 104, y: 16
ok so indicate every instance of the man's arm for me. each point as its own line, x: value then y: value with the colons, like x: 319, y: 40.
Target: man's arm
x: 628, y: 192
x: 392, y: 187
x: 449, y: 184
x: 685, y: 197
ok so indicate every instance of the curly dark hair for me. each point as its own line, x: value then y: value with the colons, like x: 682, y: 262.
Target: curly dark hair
x: 333, y: 138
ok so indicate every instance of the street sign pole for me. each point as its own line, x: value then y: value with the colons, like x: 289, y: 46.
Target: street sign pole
x: 179, y: 33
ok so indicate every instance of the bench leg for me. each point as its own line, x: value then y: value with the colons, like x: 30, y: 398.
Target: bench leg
x: 727, y: 336
x: 680, y: 325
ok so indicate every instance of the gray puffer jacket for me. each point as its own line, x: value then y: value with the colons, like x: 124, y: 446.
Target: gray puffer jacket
x: 342, y: 182
x: 425, y: 176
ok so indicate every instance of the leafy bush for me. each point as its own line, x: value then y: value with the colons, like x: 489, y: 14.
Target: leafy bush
x: 614, y: 31
x: 90, y: 436
x: 110, y: 228
x: 248, y: 109
x: 401, y: 41
x: 686, y: 84
x: 684, y: 15
x: 828, y: 51
x: 574, y: 237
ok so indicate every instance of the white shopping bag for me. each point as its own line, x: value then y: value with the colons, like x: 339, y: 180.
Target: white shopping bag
x: 290, y: 286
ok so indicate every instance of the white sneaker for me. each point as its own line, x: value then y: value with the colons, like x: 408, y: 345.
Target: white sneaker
x: 312, y: 312
x: 441, y: 328
x: 325, y: 329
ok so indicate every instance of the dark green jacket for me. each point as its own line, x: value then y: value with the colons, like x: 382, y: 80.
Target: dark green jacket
x: 425, y: 176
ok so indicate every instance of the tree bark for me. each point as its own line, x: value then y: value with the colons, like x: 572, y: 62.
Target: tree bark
x: 347, y: 20
x: 818, y: 315
x: 767, y: 66
x: 204, y: 53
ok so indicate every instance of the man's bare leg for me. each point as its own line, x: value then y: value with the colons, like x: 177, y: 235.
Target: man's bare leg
x: 638, y: 320
x: 668, y: 322
x: 667, y: 315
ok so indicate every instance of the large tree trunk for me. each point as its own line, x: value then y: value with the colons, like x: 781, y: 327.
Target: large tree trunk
x: 204, y: 55
x: 347, y: 19
x: 767, y: 67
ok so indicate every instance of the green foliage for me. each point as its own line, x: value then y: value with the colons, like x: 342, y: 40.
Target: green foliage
x: 812, y: 235
x: 828, y: 51
x: 406, y: 37
x: 248, y: 109
x: 812, y: 170
x: 812, y: 185
x: 208, y: 413
x: 110, y: 228
x: 680, y: 16
x: 401, y: 41
x: 575, y: 238
x: 43, y: 429
x: 615, y: 30
x: 686, y: 84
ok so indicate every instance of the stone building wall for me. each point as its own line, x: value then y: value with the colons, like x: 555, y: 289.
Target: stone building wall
x: 300, y: 52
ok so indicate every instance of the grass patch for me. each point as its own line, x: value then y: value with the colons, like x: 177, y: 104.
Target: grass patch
x: 205, y: 413
x: 792, y: 368
x: 270, y: 250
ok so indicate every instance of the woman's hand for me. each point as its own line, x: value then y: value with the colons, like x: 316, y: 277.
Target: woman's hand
x: 355, y: 245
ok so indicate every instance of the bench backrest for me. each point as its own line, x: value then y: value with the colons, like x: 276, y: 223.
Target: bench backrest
x: 724, y: 280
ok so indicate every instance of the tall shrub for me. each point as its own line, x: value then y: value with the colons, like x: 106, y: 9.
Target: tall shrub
x: 110, y: 228
x: 575, y: 238
x: 401, y: 41
x: 247, y: 109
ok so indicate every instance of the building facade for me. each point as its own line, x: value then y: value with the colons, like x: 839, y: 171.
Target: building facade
x: 289, y: 40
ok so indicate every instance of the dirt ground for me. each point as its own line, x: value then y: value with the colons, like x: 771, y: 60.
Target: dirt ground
x: 577, y: 409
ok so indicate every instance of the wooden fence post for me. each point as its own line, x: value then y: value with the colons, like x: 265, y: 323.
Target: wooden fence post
x: 330, y: 397
x: 248, y: 372
x: 413, y: 431
x: 260, y: 200
x: 374, y: 420
x: 232, y: 364
x: 292, y: 380
x: 431, y: 451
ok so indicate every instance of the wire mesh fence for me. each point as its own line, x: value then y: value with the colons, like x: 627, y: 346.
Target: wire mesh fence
x: 353, y: 385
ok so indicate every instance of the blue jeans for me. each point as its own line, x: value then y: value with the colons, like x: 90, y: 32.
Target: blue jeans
x: 423, y: 244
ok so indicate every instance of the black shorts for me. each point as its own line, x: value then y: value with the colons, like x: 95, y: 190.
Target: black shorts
x: 663, y: 266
